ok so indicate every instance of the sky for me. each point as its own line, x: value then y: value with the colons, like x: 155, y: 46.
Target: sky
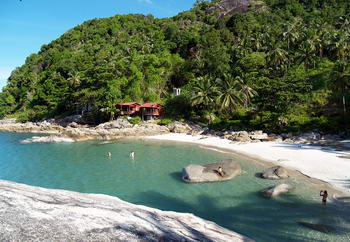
x: 26, y: 25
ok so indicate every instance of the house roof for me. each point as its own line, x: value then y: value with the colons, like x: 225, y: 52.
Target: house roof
x: 151, y: 105
x: 129, y: 104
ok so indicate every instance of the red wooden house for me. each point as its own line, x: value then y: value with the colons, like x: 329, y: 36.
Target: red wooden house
x: 151, y: 111
x: 130, y: 108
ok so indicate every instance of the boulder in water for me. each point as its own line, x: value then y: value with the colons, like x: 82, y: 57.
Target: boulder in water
x: 209, y: 172
x: 277, y: 190
x: 319, y: 227
x: 275, y: 173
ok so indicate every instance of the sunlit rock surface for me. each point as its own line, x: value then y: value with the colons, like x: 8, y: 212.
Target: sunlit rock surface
x: 35, y: 214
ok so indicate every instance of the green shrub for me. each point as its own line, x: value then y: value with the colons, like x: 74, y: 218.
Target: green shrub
x: 165, y: 121
x: 135, y: 120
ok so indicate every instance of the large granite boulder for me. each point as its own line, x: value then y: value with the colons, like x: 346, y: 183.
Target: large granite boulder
x: 178, y: 127
x: 241, y: 136
x: 275, y: 173
x: 208, y: 172
x: 276, y: 190
x: 120, y: 123
x: 36, y: 214
x: 258, y: 135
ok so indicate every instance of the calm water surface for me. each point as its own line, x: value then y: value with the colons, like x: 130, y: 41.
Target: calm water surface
x: 154, y: 179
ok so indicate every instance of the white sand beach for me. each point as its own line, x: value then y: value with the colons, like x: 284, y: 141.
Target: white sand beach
x: 318, y: 162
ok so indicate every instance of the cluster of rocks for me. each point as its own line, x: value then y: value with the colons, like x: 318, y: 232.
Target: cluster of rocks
x: 313, y: 137
x: 275, y: 173
x: 210, y: 173
x: 30, y: 213
x: 74, y: 127
x: 237, y: 136
x: 244, y: 136
x: 81, y: 132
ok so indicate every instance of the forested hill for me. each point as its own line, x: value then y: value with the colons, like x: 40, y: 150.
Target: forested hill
x: 274, y: 64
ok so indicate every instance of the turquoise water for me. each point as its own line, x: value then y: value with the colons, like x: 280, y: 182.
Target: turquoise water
x: 154, y: 179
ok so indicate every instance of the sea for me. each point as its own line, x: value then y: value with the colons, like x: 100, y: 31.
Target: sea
x: 153, y: 179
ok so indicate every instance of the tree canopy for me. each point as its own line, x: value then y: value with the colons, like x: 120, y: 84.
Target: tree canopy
x: 284, y: 67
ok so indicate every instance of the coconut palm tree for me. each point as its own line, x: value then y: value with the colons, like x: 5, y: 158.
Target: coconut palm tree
x: 234, y: 92
x: 204, y: 94
x: 278, y: 58
x: 291, y: 32
x: 341, y: 80
x: 247, y: 91
x: 230, y: 96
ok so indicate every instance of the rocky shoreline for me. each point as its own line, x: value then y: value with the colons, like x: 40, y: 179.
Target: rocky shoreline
x: 70, y: 130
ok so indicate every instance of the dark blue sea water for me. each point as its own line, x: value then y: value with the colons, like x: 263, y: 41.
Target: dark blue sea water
x: 154, y: 179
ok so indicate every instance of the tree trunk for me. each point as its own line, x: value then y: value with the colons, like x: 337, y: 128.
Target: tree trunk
x: 344, y: 104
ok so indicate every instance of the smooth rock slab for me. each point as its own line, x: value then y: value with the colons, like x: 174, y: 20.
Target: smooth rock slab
x: 36, y: 214
x: 206, y: 173
x: 275, y: 173
x: 277, y: 190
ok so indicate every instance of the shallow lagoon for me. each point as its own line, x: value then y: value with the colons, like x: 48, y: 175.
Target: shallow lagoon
x: 154, y: 179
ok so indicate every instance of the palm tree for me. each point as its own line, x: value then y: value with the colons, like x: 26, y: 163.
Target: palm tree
x: 291, y: 32
x: 278, y: 58
x: 307, y: 53
x: 247, y: 92
x: 230, y: 96
x: 204, y: 94
x: 234, y: 92
x: 341, y: 80
x: 75, y: 79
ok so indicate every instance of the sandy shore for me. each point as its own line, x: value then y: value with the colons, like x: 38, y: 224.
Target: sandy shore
x: 318, y: 162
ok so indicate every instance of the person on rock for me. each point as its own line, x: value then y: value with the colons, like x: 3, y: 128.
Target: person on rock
x: 220, y: 171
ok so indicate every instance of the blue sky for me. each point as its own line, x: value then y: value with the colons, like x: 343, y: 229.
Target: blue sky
x: 28, y: 24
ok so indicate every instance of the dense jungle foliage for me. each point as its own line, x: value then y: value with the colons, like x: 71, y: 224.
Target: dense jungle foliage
x: 284, y: 67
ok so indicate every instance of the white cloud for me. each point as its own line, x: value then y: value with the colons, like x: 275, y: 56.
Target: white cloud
x: 145, y: 1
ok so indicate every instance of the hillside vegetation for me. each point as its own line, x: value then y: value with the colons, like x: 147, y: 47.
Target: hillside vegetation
x: 279, y: 65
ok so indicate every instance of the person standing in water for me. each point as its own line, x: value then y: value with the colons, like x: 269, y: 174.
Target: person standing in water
x: 324, y: 195
x: 132, y: 155
x: 109, y: 154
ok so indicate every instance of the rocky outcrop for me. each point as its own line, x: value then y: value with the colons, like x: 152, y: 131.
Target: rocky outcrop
x: 229, y: 7
x: 106, y: 131
x: 244, y: 136
x: 275, y: 173
x: 116, y: 124
x: 178, y: 127
x: 209, y: 172
x: 277, y: 190
x: 36, y: 214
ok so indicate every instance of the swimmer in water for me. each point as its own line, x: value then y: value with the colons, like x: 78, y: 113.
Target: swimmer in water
x: 132, y: 155
x: 109, y: 154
